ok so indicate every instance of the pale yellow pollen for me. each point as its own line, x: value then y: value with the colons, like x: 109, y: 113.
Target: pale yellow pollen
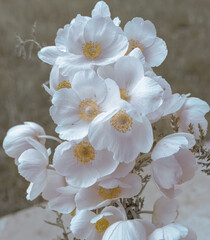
x: 64, y: 84
x: 134, y: 44
x: 91, y: 50
x: 124, y: 94
x: 88, y: 110
x: 122, y: 122
x: 84, y: 152
x: 102, y: 225
x: 107, y: 193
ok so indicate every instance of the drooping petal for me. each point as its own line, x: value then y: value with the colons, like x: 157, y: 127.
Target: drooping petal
x: 165, y: 211
x: 171, y: 144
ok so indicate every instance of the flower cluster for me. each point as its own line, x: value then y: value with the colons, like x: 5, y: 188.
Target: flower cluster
x: 106, y: 99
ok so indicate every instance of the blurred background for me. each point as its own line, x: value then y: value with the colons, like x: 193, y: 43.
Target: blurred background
x: 183, y: 24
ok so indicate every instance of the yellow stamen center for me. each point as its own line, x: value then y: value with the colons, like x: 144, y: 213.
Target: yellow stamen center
x: 84, y: 152
x: 124, y: 94
x: 64, y: 84
x: 102, y: 225
x: 122, y: 122
x: 107, y: 193
x: 134, y: 44
x: 73, y: 213
x: 88, y: 110
x: 91, y: 50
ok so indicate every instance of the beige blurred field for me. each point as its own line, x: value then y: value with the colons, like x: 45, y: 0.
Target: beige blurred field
x: 183, y: 24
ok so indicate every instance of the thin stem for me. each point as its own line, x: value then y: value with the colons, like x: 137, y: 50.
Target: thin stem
x: 32, y: 41
x: 65, y: 233
x: 146, y: 212
x: 51, y: 137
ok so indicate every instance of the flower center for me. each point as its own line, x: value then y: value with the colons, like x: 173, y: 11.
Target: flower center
x: 107, y: 193
x: 84, y: 152
x: 102, y: 225
x: 122, y: 122
x: 134, y: 44
x: 64, y: 84
x: 88, y: 110
x: 91, y: 50
x: 124, y: 94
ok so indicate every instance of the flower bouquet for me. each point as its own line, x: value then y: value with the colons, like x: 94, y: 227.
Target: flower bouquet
x: 107, y: 102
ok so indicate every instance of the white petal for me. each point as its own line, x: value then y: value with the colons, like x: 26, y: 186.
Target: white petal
x: 117, y: 21
x: 88, y: 85
x: 62, y: 36
x: 63, y: 204
x: 167, y: 172
x: 32, y: 165
x: 81, y: 226
x: 187, y: 161
x: 54, y: 181
x: 147, y: 95
x: 126, y: 230
x: 101, y: 9
x: 140, y: 30
x: 171, y: 144
x: 169, y: 232
x: 128, y: 71
x: 156, y: 53
x: 165, y: 211
x: 50, y: 54
x: 106, y: 71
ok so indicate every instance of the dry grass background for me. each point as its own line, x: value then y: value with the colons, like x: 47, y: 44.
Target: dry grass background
x: 183, y: 24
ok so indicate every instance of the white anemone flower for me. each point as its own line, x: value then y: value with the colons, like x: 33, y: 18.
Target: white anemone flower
x: 88, y: 225
x: 102, y: 193
x: 115, y: 129
x: 32, y: 166
x: 142, y: 34
x: 15, y: 142
x: 76, y: 107
x: 165, y: 211
x: 173, y: 162
x: 173, y: 232
x: 129, y: 230
x: 86, y: 43
x: 81, y: 164
x: 142, y: 92
x: 193, y: 112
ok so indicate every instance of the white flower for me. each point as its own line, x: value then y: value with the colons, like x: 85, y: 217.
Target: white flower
x: 32, y: 166
x: 87, y: 225
x: 142, y: 34
x: 75, y: 108
x: 170, y: 232
x: 15, y: 142
x: 143, y: 93
x: 173, y: 162
x: 85, y: 43
x: 115, y: 129
x: 193, y: 112
x: 82, y: 164
x: 102, y: 193
x: 165, y: 211
x: 129, y: 230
